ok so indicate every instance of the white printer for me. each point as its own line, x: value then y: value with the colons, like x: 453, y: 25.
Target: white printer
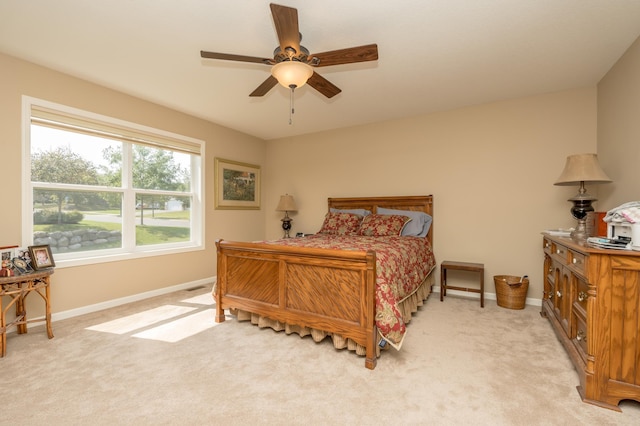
x: 625, y: 231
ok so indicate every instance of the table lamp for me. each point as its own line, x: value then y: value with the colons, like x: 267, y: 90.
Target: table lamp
x: 581, y: 168
x: 286, y: 205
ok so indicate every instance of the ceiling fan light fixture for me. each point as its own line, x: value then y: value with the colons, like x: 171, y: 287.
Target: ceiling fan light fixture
x: 292, y: 73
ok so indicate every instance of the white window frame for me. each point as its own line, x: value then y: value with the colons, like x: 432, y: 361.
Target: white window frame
x: 128, y: 251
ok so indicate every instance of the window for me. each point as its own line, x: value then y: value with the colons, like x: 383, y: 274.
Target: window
x: 102, y: 189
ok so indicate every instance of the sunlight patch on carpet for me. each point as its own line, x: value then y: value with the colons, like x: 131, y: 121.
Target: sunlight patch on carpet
x: 142, y: 319
x: 181, y: 328
x: 203, y: 299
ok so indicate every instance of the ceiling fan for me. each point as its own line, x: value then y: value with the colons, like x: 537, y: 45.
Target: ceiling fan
x: 292, y: 65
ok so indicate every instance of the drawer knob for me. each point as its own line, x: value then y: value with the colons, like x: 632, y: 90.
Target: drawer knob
x: 576, y: 261
x: 582, y: 296
x: 582, y: 336
x: 558, y: 293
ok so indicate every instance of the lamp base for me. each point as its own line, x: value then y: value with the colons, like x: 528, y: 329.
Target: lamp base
x: 581, y: 208
x: 580, y: 234
x: 286, y: 226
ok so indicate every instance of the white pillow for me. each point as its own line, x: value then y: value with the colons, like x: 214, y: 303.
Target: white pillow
x: 419, y: 225
x: 361, y: 212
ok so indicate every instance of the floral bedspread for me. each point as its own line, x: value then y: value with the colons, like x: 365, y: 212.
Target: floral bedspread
x: 402, y: 263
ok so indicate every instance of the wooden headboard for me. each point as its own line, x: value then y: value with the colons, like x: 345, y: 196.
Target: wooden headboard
x: 421, y: 203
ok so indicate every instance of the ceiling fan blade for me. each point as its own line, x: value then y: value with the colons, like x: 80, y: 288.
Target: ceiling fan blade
x: 350, y: 55
x: 286, y: 22
x: 265, y: 86
x: 323, y: 85
x: 239, y: 58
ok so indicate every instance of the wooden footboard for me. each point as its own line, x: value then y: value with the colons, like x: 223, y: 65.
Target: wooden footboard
x: 331, y: 290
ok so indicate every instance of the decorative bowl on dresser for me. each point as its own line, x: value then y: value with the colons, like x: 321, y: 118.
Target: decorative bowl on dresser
x: 592, y: 299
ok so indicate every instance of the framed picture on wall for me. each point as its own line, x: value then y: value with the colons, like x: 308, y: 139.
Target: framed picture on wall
x: 237, y: 185
x: 41, y: 257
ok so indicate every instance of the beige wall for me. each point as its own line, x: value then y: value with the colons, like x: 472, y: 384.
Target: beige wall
x: 75, y: 287
x: 619, y: 129
x: 491, y: 169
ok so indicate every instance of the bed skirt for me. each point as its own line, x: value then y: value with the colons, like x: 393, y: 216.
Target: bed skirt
x: 408, y: 307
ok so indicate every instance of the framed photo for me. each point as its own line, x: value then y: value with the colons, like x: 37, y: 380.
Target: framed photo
x: 21, y: 266
x: 7, y: 253
x: 41, y: 257
x: 22, y: 260
x: 237, y: 185
x: 23, y: 253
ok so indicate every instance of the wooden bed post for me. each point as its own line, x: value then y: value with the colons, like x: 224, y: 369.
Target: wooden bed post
x: 220, y: 282
x: 371, y: 330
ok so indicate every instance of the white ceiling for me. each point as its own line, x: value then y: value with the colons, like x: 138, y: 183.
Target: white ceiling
x: 434, y: 54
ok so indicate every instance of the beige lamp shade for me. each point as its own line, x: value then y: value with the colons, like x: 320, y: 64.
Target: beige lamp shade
x: 582, y: 168
x: 292, y: 73
x: 287, y: 204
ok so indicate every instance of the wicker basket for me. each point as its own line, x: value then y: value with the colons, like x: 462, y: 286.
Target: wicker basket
x: 511, y: 291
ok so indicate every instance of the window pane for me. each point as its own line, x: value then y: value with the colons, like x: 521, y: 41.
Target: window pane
x: 101, y: 183
x: 160, y: 169
x: 59, y: 156
x: 161, y: 220
x: 74, y: 221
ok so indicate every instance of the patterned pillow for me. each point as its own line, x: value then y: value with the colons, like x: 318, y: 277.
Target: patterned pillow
x: 341, y: 224
x: 377, y: 225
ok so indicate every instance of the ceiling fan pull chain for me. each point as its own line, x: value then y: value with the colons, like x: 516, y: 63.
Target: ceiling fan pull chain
x: 291, y: 110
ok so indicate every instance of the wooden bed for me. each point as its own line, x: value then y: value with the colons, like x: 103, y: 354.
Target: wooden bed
x: 286, y: 284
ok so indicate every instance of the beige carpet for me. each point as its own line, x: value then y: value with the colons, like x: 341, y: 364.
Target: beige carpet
x: 459, y: 365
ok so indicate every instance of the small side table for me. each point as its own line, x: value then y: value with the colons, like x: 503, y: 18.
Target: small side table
x: 461, y: 266
x: 18, y: 287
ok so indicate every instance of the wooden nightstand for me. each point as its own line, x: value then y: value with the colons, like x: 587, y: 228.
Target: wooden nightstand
x: 461, y: 266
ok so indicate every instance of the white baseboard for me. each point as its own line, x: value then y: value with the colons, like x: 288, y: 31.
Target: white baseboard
x: 487, y: 296
x: 128, y: 299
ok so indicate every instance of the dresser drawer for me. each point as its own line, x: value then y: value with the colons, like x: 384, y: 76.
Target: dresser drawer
x: 546, y: 245
x: 580, y: 340
x: 577, y: 260
x: 559, y: 252
x: 582, y: 294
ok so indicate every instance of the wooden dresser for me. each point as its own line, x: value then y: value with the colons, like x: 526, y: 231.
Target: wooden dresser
x: 592, y: 299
